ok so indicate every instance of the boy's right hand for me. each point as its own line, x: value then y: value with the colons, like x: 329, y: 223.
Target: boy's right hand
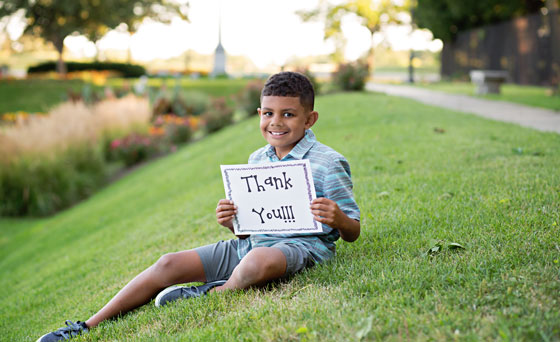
x: 225, y: 211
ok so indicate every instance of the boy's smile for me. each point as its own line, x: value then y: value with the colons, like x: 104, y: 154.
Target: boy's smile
x: 284, y: 121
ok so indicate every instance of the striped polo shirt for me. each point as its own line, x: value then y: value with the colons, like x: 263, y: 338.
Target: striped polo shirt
x: 331, y: 175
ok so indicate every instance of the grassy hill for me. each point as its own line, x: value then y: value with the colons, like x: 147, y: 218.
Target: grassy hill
x: 421, y: 175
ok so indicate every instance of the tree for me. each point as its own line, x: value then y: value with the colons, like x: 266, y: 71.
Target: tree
x: 54, y: 20
x: 445, y: 18
x: 373, y: 14
x: 131, y: 13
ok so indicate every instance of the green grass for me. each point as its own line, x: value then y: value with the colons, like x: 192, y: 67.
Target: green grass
x: 213, y: 87
x: 34, y: 95
x: 490, y: 186
x: 526, y: 95
x: 41, y: 95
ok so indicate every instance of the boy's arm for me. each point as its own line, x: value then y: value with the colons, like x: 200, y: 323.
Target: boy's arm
x: 327, y: 211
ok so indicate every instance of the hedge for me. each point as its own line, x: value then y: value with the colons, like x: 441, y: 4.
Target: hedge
x: 127, y: 70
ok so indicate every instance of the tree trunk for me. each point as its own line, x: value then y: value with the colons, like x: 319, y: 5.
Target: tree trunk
x: 371, y: 56
x: 129, y: 50
x: 554, y: 22
x: 60, y: 65
x: 97, y: 51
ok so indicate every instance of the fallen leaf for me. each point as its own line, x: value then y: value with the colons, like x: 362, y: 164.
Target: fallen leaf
x: 439, y: 130
x: 440, y: 246
x: 455, y: 245
x: 435, y: 249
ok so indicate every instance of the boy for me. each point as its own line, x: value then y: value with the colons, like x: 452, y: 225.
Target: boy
x: 286, y: 116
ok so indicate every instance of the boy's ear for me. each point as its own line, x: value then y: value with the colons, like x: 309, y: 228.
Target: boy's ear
x: 259, y: 111
x: 311, y: 119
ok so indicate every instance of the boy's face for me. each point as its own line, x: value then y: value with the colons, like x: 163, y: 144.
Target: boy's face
x: 284, y: 121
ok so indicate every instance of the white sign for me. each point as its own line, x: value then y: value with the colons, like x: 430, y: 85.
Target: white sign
x: 271, y: 198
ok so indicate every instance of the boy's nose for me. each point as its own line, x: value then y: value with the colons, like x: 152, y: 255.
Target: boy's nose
x: 276, y: 121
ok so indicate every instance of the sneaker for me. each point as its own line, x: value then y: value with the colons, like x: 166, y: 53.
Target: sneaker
x: 173, y: 293
x: 70, y: 330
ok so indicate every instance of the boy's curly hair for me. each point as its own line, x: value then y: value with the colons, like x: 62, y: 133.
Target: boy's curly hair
x: 293, y: 84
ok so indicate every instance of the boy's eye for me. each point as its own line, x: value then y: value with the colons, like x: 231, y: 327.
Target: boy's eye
x: 288, y: 115
x: 267, y: 114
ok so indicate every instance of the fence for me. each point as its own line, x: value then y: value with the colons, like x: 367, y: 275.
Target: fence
x: 527, y: 47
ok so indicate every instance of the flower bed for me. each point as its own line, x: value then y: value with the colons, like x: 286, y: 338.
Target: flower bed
x: 51, y: 163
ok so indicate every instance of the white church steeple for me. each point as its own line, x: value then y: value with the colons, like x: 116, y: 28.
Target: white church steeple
x: 219, y: 54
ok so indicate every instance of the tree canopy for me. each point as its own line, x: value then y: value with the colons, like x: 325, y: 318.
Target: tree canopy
x: 373, y: 14
x: 447, y: 17
x: 54, y: 20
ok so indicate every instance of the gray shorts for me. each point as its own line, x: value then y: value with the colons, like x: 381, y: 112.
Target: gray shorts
x: 220, y: 259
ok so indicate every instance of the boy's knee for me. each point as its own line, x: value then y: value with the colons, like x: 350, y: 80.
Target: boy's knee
x: 260, y: 266
x: 165, y: 262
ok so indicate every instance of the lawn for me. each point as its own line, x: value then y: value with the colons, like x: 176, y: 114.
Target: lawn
x: 212, y: 87
x: 39, y: 95
x: 34, y: 95
x: 526, y: 95
x: 421, y: 174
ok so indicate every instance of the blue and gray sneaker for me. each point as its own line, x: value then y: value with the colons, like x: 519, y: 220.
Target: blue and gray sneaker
x: 70, y: 330
x: 174, y: 293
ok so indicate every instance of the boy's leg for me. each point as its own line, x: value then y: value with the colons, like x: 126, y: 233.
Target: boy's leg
x: 170, y: 269
x: 260, y: 266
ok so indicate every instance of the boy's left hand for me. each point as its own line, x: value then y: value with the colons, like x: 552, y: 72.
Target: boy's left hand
x: 327, y: 211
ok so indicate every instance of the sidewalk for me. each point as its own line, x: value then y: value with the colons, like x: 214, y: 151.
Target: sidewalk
x: 537, y: 118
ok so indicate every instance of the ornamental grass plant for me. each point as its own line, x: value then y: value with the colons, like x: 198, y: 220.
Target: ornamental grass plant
x: 53, y: 161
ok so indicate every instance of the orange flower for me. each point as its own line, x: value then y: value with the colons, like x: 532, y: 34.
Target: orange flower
x: 194, y: 122
x: 157, y: 131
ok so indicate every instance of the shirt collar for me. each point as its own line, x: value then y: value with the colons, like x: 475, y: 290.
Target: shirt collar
x: 299, y: 151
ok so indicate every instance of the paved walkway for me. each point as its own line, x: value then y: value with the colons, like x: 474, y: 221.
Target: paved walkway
x: 537, y: 118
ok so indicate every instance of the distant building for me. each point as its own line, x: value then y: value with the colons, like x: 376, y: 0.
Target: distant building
x: 219, y: 54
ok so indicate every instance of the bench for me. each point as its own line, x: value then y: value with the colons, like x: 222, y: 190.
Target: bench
x: 488, y: 81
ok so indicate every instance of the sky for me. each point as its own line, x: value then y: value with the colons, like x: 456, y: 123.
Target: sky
x: 268, y: 32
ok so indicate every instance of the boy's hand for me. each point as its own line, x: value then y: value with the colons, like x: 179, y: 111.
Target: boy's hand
x: 327, y: 211
x: 225, y: 211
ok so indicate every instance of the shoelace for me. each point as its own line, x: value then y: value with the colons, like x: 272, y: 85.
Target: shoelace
x: 190, y: 291
x: 71, y: 329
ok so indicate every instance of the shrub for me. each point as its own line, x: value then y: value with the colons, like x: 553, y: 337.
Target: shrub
x: 250, y: 97
x: 181, y: 104
x: 178, y: 133
x: 218, y: 116
x: 351, y: 76
x: 43, y: 185
x: 192, y: 102
x: 126, y: 70
x: 174, y: 129
x: 134, y: 148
